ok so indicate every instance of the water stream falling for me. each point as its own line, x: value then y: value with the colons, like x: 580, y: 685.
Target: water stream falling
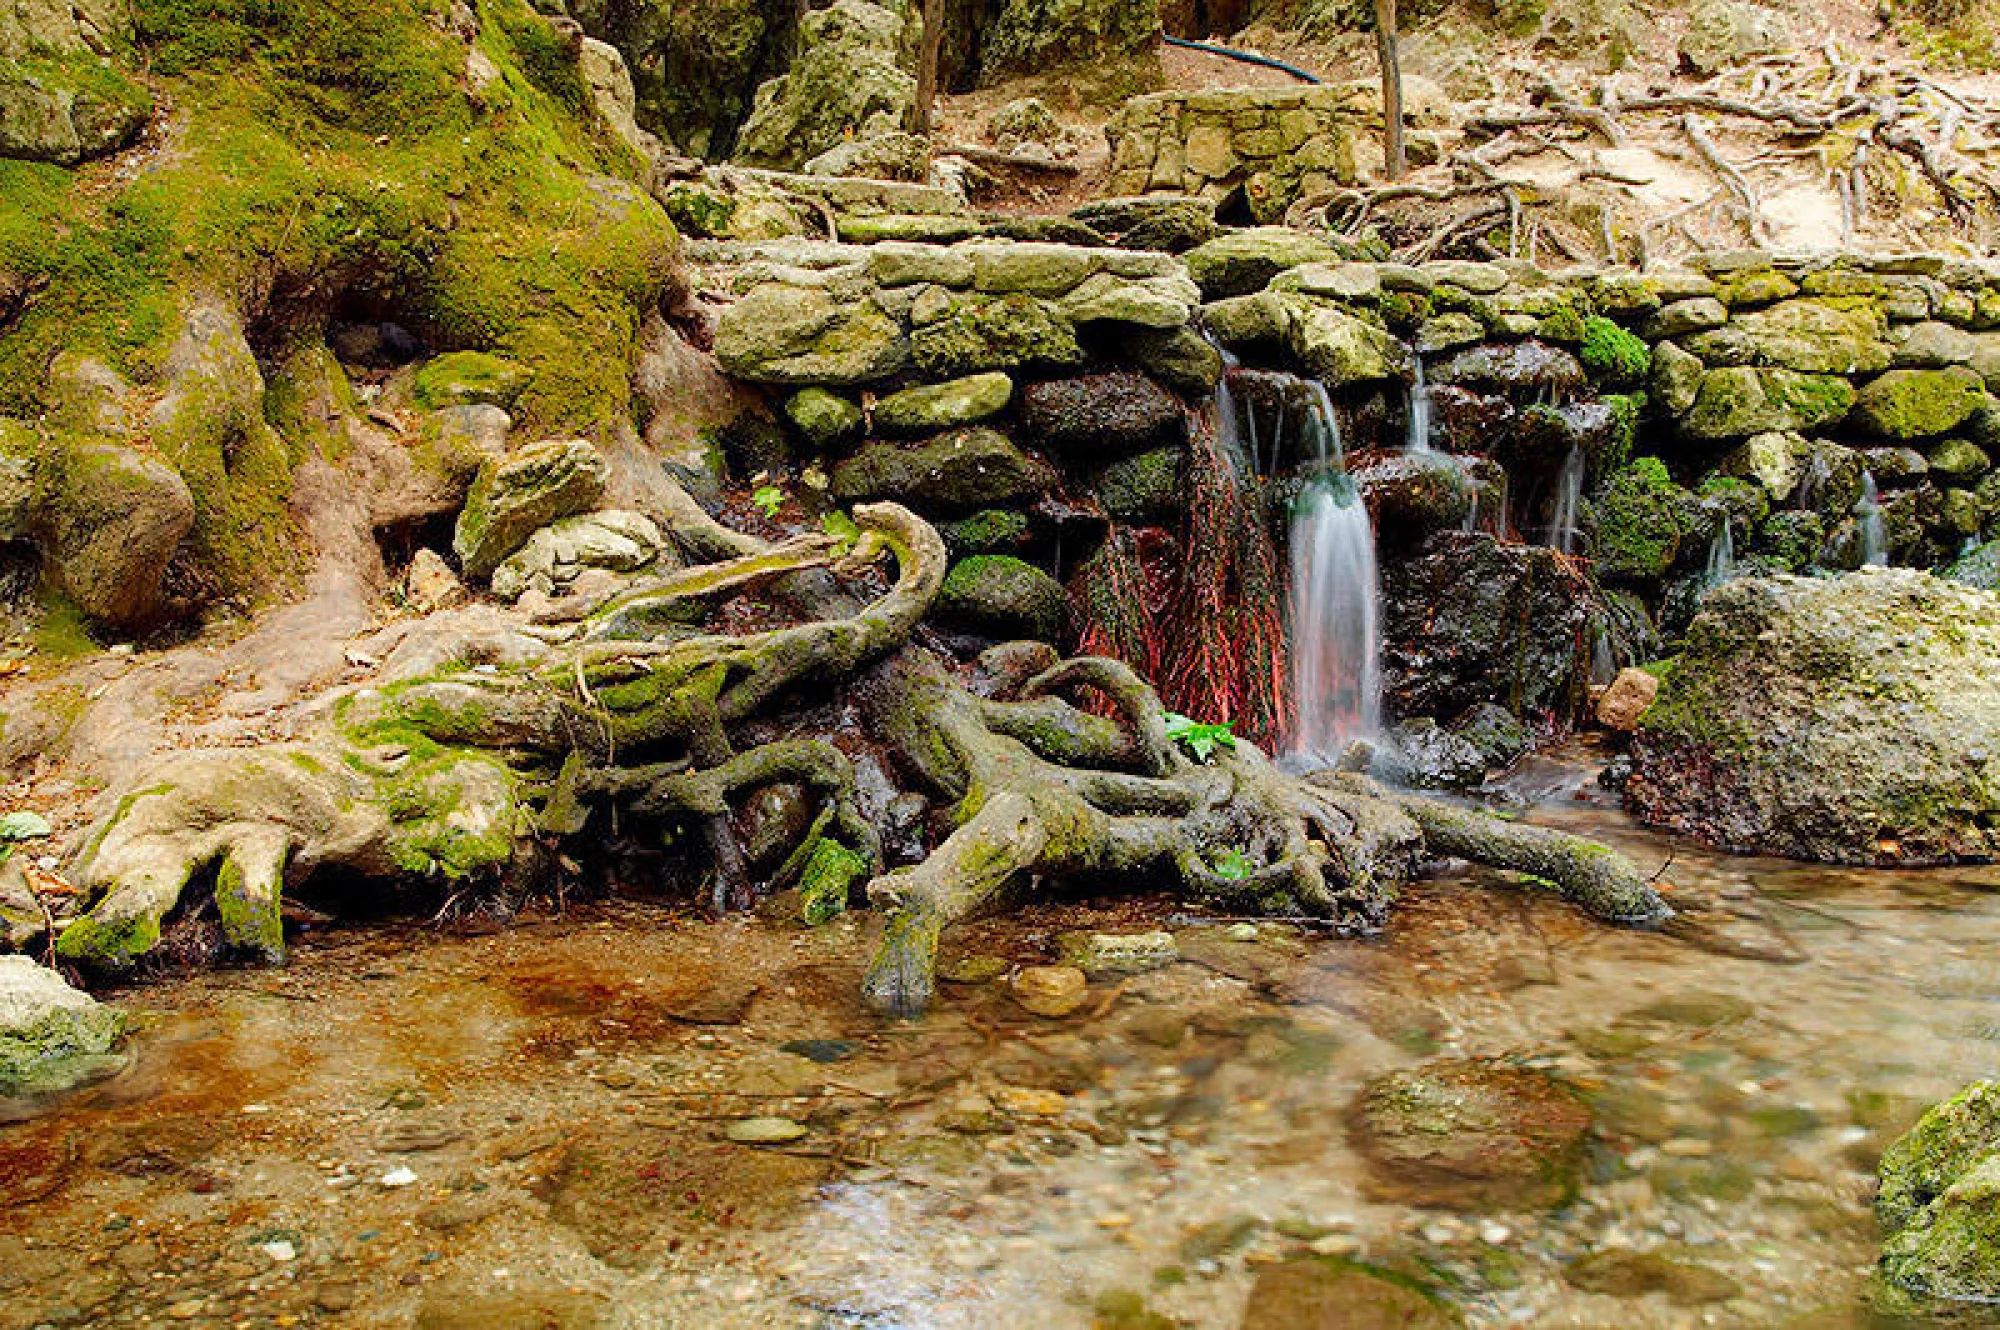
x: 1721, y: 557
x: 1874, y: 531
x: 1419, y: 437
x: 1335, y: 606
x: 1569, y: 497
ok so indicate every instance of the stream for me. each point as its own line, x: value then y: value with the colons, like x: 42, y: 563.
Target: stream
x: 531, y: 1124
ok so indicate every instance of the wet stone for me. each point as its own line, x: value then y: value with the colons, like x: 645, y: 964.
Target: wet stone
x: 1051, y: 990
x: 765, y: 1131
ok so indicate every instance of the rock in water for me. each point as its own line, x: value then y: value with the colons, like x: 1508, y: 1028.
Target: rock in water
x: 1051, y: 990
x: 1332, y: 1293
x: 1851, y: 720
x: 1939, y: 1201
x: 1472, y: 1134
x: 52, y: 1037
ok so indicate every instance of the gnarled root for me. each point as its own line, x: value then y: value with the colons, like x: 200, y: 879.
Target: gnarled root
x: 1599, y: 880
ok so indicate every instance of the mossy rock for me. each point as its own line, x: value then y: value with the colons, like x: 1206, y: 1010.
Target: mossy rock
x: 1143, y: 489
x: 1737, y: 402
x: 1939, y: 1201
x: 1919, y: 403
x: 469, y: 378
x: 1642, y: 517
x: 994, y: 531
x: 1000, y: 596
x: 930, y: 407
x: 52, y: 1037
x: 1339, y: 348
x: 1007, y: 332
x: 67, y: 106
x: 809, y: 335
x: 825, y: 418
x: 1812, y: 336
x: 110, y: 519
x: 1612, y: 355
x: 962, y: 471
x: 518, y: 494
x: 1472, y: 1133
x: 1244, y: 262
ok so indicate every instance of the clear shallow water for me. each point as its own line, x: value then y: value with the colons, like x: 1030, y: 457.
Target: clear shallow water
x: 559, y: 1093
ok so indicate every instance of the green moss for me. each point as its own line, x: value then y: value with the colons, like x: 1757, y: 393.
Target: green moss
x: 700, y: 210
x: 62, y: 633
x: 468, y: 378
x: 112, y: 944
x: 830, y: 872
x: 1565, y: 324
x: 1611, y: 354
x: 986, y: 532
x: 1642, y: 516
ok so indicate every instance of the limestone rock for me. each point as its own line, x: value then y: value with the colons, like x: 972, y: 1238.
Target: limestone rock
x: 1626, y: 699
x: 557, y: 554
x: 1831, y: 720
x: 1000, y: 596
x: 1243, y: 262
x: 939, y: 406
x: 1339, y: 348
x: 1721, y: 33
x: 522, y: 492
x: 1014, y: 331
x: 963, y: 471
x: 430, y: 584
x: 808, y: 335
x: 1812, y: 336
x: 52, y: 1037
x: 891, y: 156
x: 1171, y: 222
x: 825, y: 418
x: 1117, y: 953
x: 846, y: 81
x: 1051, y: 990
x: 63, y: 100
x: 1036, y: 36
x: 611, y: 91
x: 109, y: 521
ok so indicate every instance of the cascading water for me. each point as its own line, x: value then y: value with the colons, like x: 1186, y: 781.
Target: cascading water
x: 1721, y: 556
x: 1335, y: 606
x: 1569, y: 498
x: 1419, y: 432
x: 1874, y: 530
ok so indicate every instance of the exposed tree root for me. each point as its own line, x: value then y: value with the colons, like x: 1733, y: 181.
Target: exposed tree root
x: 642, y: 711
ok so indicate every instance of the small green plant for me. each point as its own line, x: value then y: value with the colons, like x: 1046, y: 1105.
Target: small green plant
x: 768, y: 498
x: 1232, y: 865
x: 841, y: 527
x: 1197, y: 737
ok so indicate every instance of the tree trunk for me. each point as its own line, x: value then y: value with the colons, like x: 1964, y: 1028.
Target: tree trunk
x: 1395, y: 163
x: 927, y: 67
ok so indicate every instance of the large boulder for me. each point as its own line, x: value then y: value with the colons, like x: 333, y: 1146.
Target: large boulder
x: 1035, y: 36
x: 52, y: 1037
x: 1939, y: 1201
x: 526, y: 490
x: 1243, y: 262
x: 846, y: 82
x: 1740, y: 401
x: 1467, y: 619
x: 1812, y: 336
x: 1919, y: 403
x: 1849, y: 720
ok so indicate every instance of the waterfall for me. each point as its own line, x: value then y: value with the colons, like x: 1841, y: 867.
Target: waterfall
x: 1721, y: 557
x: 1419, y: 438
x: 1335, y: 612
x: 1569, y: 496
x: 1874, y: 531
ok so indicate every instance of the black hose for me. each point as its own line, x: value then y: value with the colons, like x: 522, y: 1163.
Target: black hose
x: 1244, y: 57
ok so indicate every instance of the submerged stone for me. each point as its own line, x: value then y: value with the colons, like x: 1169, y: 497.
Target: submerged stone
x: 1472, y: 1134
x: 1333, y: 1293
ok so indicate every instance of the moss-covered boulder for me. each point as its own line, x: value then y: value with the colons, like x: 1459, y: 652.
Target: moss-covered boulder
x: 825, y: 418
x: 1978, y: 567
x: 1144, y: 488
x: 65, y: 95
x: 1919, y: 403
x: 1831, y: 719
x: 960, y: 472
x: 1811, y: 336
x: 1939, y: 1201
x: 52, y: 1037
x: 1737, y: 402
x: 1000, y: 596
x: 1339, y: 348
x: 527, y: 489
x: 1117, y: 39
x: 930, y: 407
x: 1472, y: 1134
x: 1612, y: 355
